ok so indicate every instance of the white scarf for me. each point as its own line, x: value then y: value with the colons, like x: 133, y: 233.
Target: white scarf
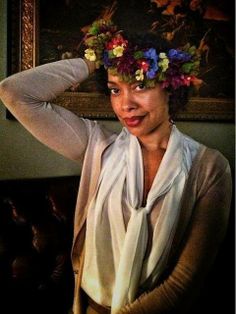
x: 114, y: 265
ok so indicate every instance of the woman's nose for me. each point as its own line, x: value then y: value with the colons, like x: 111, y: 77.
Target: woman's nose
x: 128, y: 103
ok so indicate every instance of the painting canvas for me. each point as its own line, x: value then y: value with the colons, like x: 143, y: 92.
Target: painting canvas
x: 56, y: 34
x: 60, y: 32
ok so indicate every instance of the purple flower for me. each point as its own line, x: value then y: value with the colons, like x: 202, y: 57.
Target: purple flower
x: 127, y: 63
x: 107, y: 62
x: 175, y: 81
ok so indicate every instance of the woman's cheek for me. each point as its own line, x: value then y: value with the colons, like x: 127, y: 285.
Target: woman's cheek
x: 115, y: 107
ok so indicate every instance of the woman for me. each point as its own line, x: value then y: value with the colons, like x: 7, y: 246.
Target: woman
x: 153, y: 203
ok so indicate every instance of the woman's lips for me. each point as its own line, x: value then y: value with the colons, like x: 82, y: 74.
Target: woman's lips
x: 133, y: 121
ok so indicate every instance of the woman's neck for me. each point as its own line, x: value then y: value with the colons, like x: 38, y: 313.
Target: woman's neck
x: 158, y: 140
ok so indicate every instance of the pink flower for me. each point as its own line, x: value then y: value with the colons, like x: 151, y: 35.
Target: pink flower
x: 144, y: 65
x: 116, y: 41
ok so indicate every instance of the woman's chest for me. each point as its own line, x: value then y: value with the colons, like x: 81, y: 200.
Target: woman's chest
x: 151, y: 164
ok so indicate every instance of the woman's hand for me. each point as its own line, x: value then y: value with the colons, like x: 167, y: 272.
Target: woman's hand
x: 91, y: 65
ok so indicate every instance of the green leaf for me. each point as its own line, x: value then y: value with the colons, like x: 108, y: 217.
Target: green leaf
x: 150, y: 83
x: 113, y: 71
x: 94, y: 30
x: 161, y: 76
x: 110, y: 54
x: 187, y: 67
x: 138, y: 54
x: 192, y: 50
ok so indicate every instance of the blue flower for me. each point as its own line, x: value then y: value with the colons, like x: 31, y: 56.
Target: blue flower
x: 151, y: 73
x: 178, y: 55
x: 152, y: 57
x: 151, y: 54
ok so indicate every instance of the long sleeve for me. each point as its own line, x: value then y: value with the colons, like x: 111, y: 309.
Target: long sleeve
x: 199, y: 249
x: 28, y: 94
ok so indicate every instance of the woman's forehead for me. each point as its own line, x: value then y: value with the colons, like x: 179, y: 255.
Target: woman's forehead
x: 115, y: 79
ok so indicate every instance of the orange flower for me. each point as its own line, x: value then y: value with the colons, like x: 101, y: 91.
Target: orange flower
x: 170, y: 10
x: 160, y: 3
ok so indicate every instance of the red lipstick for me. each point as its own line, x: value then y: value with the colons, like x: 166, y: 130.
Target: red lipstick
x: 133, y: 121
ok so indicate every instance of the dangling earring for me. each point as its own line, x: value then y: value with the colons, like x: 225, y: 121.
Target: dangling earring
x: 171, y: 121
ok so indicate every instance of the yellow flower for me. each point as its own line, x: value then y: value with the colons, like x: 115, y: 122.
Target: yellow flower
x: 118, y: 51
x: 139, y: 75
x: 90, y: 54
x: 164, y: 62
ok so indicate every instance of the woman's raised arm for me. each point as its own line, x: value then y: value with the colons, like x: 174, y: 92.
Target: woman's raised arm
x: 27, y: 95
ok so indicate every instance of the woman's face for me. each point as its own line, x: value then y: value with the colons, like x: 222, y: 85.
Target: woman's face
x: 143, y: 111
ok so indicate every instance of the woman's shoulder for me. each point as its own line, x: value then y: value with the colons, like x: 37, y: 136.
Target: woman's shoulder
x: 97, y: 132
x: 209, y: 167
x: 210, y: 158
x: 203, y: 157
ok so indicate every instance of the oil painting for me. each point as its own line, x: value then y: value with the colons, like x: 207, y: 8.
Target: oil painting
x: 49, y: 32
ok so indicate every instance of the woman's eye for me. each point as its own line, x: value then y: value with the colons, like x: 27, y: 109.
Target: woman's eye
x: 140, y: 87
x: 114, y: 91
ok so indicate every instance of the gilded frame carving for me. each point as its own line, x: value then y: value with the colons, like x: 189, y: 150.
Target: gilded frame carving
x: 96, y: 105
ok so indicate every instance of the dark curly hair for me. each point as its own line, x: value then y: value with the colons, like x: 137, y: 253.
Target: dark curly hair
x: 178, y: 97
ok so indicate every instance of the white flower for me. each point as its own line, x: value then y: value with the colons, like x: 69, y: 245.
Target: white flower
x: 90, y: 54
x: 118, y: 51
x: 164, y: 62
x: 139, y: 75
x: 162, y: 55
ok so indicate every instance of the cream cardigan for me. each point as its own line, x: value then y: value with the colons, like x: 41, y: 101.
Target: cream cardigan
x: 27, y: 95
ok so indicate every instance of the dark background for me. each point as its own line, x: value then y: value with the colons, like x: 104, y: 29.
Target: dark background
x: 61, y: 21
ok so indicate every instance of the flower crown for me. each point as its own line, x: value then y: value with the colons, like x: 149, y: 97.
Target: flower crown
x: 108, y: 47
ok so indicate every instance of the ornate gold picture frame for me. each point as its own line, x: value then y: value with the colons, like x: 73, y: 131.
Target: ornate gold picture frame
x: 24, y: 55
